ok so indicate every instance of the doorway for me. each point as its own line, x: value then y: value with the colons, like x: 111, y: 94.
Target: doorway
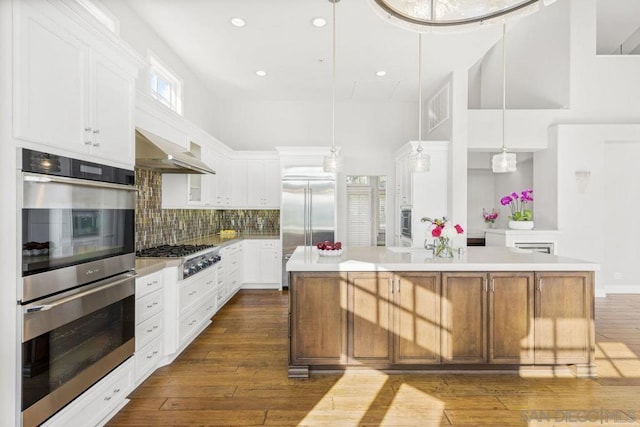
x: 366, y: 210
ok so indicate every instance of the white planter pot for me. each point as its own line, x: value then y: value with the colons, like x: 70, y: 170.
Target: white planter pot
x: 521, y: 225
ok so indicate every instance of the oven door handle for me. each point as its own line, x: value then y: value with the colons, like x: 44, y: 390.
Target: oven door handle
x: 43, y: 179
x: 40, y: 318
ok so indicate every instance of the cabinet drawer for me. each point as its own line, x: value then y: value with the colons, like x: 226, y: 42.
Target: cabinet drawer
x: 190, y: 293
x: 208, y: 309
x: 149, y: 283
x: 101, y: 399
x: 209, y: 285
x: 148, y: 330
x: 148, y: 305
x: 269, y: 244
x: 147, y: 358
x: 188, y: 323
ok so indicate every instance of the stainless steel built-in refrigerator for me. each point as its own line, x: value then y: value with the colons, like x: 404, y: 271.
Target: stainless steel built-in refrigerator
x: 308, y: 214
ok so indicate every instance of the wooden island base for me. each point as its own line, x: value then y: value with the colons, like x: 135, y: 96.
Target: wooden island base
x: 442, y: 321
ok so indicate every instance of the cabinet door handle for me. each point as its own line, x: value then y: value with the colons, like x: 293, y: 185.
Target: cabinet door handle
x: 391, y: 286
x: 540, y: 284
x: 484, y: 281
x: 493, y: 284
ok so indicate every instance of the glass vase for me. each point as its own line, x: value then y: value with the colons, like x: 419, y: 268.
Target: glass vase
x: 444, y: 248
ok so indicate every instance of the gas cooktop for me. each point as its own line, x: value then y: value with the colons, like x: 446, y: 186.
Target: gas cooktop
x: 194, y: 258
x: 172, y: 251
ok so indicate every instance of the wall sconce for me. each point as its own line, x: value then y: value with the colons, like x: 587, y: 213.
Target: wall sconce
x: 582, y: 180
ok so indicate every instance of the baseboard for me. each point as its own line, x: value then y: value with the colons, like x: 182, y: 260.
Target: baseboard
x: 261, y: 286
x: 623, y: 289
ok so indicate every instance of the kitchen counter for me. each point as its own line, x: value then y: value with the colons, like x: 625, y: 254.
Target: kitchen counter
x: 408, y: 259
x: 217, y: 240
x: 490, y: 308
x: 146, y: 266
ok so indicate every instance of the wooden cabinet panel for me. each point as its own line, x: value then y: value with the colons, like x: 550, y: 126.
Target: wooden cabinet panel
x: 464, y: 313
x: 511, y: 318
x: 564, y: 318
x: 370, y: 317
x: 417, y: 327
x: 318, y: 328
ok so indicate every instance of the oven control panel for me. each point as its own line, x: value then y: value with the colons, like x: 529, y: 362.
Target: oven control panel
x: 199, y: 263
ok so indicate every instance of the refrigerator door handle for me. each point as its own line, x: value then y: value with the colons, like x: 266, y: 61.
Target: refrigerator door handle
x: 310, y: 216
x: 306, y: 217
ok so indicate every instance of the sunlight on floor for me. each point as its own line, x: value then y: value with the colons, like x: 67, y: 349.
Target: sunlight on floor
x: 347, y: 409
x: 411, y: 405
x: 616, y: 360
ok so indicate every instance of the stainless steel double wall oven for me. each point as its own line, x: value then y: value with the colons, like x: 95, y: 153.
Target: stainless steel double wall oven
x: 78, y: 279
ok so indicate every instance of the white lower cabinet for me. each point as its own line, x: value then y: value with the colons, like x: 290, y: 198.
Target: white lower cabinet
x: 232, y: 259
x: 96, y: 405
x: 149, y: 324
x: 262, y: 264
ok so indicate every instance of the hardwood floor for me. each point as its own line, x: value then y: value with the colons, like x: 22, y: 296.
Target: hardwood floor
x: 235, y: 373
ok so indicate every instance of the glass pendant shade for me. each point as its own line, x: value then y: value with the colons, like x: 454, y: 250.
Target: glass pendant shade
x: 333, y: 162
x: 419, y: 161
x: 504, y: 162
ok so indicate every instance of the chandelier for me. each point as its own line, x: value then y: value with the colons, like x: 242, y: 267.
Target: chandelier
x: 452, y: 14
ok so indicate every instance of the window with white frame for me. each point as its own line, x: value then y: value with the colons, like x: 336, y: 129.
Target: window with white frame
x: 164, y: 85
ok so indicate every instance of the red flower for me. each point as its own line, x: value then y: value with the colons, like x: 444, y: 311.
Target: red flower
x: 459, y: 229
x: 436, y: 232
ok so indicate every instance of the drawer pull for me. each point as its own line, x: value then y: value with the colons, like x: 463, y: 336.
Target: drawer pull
x: 155, y: 352
x: 155, y: 326
x: 116, y: 390
x: 155, y: 303
x: 150, y: 330
x: 149, y: 305
x: 108, y: 398
x: 150, y: 356
x: 192, y: 323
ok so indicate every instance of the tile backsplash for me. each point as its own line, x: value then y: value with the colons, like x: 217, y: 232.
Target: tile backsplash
x: 156, y: 226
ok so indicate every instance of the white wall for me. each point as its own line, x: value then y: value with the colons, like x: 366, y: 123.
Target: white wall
x: 480, y: 194
x: 537, y: 67
x: 200, y: 105
x: 9, y: 248
x: 583, y: 213
x: 620, y: 270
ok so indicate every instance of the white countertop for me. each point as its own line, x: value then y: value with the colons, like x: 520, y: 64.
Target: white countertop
x: 407, y: 259
x: 510, y: 232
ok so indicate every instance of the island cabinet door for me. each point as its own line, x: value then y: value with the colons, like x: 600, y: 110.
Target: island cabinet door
x: 464, y: 314
x: 417, y: 318
x: 370, y: 317
x: 511, y: 318
x: 318, y: 328
x: 564, y: 330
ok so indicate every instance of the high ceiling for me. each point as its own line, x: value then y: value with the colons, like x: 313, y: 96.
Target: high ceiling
x: 279, y: 38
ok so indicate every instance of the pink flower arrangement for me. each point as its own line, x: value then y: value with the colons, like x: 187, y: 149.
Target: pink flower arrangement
x: 490, y: 217
x: 440, y: 227
x: 517, y: 203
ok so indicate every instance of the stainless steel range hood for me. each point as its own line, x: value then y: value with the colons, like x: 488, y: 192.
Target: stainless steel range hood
x: 156, y: 153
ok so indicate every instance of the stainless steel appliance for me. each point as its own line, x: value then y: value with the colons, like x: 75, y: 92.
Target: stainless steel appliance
x: 405, y: 223
x: 193, y: 258
x: 78, y: 278
x: 308, y: 212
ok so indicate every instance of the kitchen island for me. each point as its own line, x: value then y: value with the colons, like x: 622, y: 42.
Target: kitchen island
x: 487, y: 309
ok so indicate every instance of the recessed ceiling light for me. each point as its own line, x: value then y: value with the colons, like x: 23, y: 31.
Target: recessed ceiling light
x: 238, y: 22
x: 381, y: 73
x: 318, y: 22
x: 261, y: 73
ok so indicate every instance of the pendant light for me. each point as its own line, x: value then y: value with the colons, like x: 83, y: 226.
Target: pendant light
x: 333, y: 162
x: 419, y: 161
x: 504, y: 162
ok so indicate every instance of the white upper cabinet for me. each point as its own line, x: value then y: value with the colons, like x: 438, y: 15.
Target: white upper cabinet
x: 112, y: 105
x: 71, y: 92
x: 263, y: 183
x: 51, y: 87
x: 239, y: 177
